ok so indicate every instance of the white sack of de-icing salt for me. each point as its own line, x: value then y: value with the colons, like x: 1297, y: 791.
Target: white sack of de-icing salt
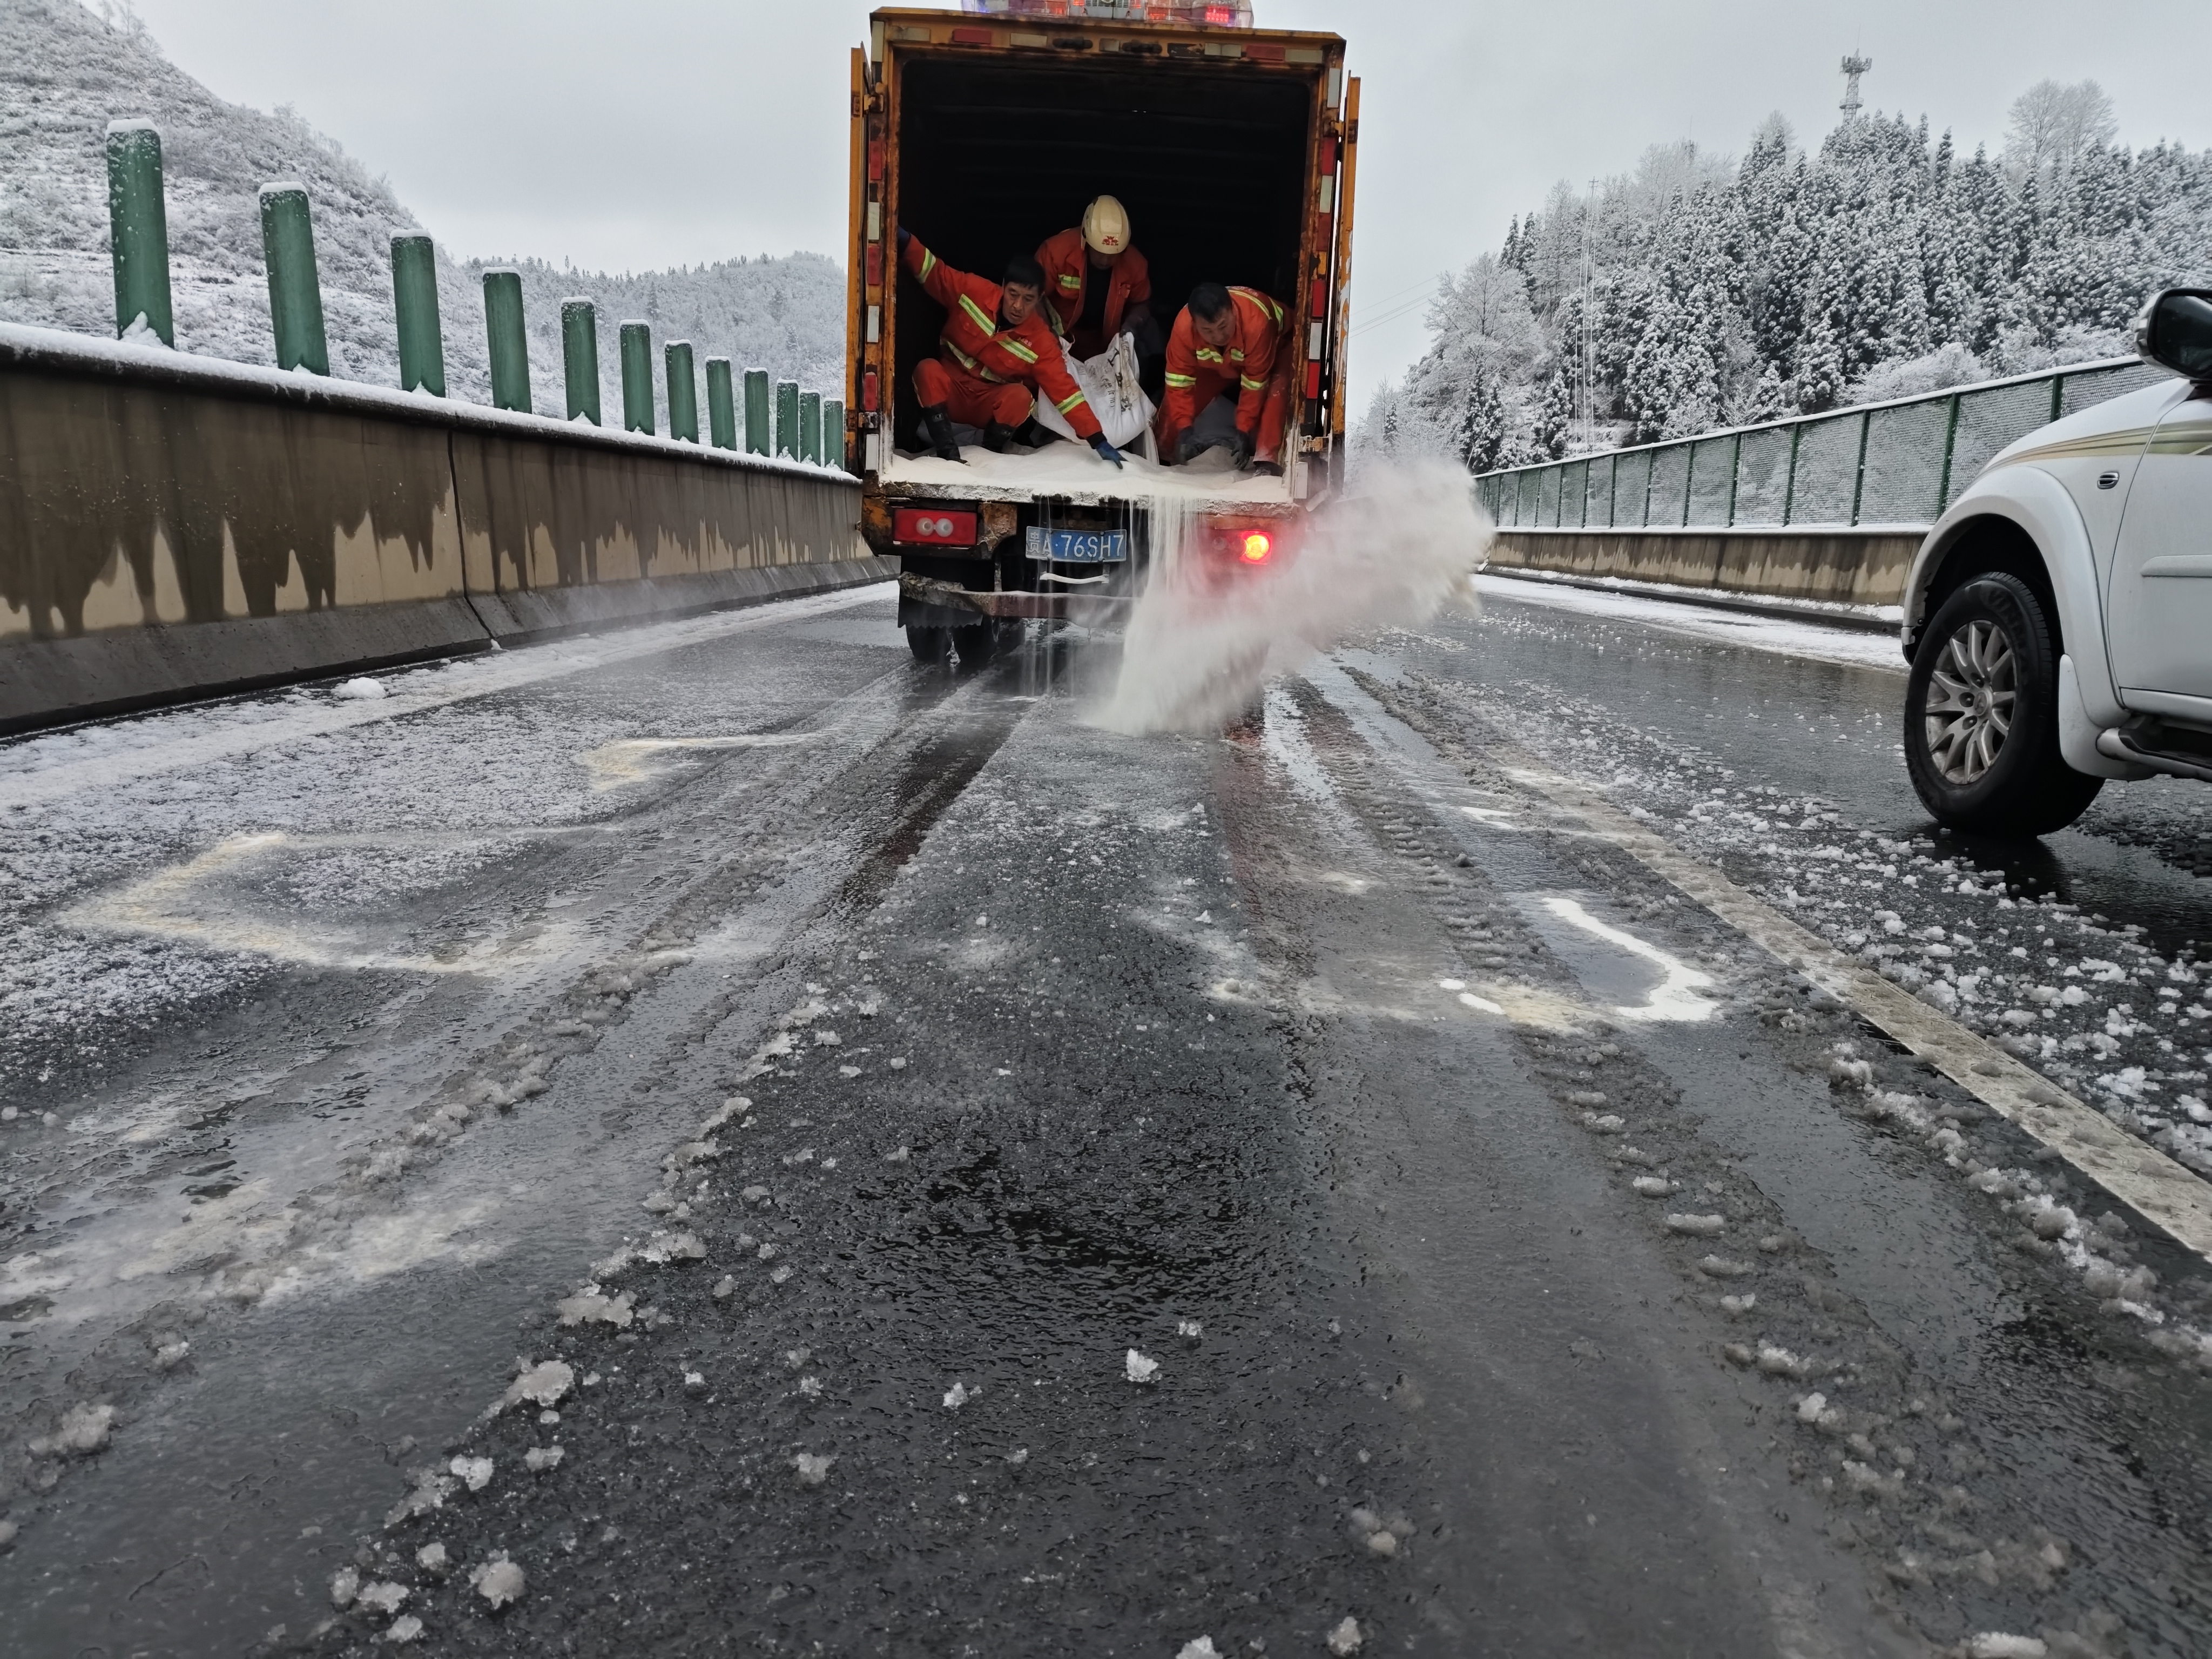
x: 1109, y: 382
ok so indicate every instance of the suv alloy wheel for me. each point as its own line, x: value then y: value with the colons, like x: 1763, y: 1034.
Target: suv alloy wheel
x: 1981, y: 716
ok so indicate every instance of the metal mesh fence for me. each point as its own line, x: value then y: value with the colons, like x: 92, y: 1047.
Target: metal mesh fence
x: 1597, y: 497
x: 1574, y: 483
x: 1631, y: 488
x: 1670, y: 485
x: 2080, y: 392
x: 1903, y: 480
x: 1827, y: 484
x: 1712, y: 479
x: 1988, y: 421
x: 1762, y: 477
x: 1893, y: 464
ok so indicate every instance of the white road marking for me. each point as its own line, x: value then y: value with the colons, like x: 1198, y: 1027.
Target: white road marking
x: 1674, y: 999
x: 166, y: 904
x: 615, y: 764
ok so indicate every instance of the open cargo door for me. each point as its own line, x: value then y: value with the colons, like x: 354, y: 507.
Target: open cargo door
x: 1339, y: 370
x: 862, y: 273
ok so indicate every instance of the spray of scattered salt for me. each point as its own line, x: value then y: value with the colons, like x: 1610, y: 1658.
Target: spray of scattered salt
x: 1197, y: 651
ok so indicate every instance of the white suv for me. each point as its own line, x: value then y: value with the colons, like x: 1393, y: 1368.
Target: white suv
x: 2058, y: 617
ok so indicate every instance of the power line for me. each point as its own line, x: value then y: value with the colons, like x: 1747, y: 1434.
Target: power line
x: 1392, y: 315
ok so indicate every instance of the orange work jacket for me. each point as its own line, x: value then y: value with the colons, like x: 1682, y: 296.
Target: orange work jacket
x: 1066, y: 262
x: 974, y: 341
x: 1249, y: 360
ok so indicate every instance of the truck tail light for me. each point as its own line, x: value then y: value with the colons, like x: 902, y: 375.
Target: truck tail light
x: 1254, y: 546
x: 929, y: 526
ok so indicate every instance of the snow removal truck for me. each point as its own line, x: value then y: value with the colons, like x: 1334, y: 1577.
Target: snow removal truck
x: 986, y: 134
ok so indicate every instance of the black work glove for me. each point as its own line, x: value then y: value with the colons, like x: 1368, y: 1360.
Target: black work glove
x: 1187, y: 449
x: 1105, y: 450
x: 904, y: 237
x: 1240, y: 451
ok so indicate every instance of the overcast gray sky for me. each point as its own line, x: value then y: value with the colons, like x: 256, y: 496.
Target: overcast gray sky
x: 658, y: 132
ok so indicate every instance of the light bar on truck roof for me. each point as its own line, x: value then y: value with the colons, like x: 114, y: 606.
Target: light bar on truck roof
x: 1204, y: 14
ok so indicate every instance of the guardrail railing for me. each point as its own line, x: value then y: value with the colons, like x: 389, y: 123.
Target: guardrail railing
x: 782, y: 421
x: 1895, y: 464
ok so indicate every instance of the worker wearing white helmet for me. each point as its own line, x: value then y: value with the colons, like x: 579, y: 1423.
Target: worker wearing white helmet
x: 1096, y: 284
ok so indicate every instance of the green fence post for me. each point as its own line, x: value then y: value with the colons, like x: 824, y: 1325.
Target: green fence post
x: 760, y: 419
x: 1735, y: 477
x: 787, y: 418
x: 1858, y: 479
x: 682, y: 392
x: 580, y: 358
x: 296, y: 293
x: 139, y: 231
x: 637, y: 377
x: 415, y: 297
x: 1950, y: 448
x: 833, y: 432
x: 721, y: 405
x: 508, y: 341
x: 810, y: 426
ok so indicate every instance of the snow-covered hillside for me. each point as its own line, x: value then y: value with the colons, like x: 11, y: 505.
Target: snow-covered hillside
x: 66, y: 72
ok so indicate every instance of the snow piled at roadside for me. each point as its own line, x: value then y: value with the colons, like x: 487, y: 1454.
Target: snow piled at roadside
x: 2082, y: 1000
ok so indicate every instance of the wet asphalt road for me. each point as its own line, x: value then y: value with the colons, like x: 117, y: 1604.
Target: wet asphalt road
x: 850, y: 1075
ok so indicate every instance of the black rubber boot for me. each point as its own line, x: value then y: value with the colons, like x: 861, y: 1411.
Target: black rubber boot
x: 1035, y: 434
x: 935, y: 422
x: 998, y: 437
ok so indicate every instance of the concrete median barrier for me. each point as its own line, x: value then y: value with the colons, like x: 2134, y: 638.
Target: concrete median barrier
x: 173, y: 526
x: 1824, y: 566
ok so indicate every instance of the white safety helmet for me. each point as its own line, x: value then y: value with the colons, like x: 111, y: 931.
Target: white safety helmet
x: 1106, y: 225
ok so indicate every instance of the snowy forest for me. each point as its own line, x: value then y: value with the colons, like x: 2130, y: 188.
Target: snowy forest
x: 67, y: 69
x: 1701, y: 292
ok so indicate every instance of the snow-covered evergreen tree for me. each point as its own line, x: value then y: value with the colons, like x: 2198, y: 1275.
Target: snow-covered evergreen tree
x: 1794, y: 281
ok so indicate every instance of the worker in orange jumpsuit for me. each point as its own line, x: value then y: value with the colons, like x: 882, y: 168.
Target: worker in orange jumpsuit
x: 997, y: 352
x: 1229, y: 339
x: 1098, y: 284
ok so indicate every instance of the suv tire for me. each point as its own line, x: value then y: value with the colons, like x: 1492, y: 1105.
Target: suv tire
x: 929, y: 645
x: 1981, y: 716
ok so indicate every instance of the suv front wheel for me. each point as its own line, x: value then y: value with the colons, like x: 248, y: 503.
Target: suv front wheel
x: 1981, y: 716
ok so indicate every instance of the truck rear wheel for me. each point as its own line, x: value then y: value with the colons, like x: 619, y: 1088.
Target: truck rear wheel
x: 1981, y: 717
x: 929, y: 645
x: 976, y: 645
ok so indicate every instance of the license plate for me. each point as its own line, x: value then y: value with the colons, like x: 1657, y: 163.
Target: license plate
x: 1078, y: 546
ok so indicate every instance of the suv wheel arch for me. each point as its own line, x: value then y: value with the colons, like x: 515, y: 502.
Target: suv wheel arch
x: 1987, y: 545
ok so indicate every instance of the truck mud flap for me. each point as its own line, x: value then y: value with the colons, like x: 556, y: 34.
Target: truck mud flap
x: 926, y: 603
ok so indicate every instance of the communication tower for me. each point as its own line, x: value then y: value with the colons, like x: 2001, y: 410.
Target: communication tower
x: 1854, y: 67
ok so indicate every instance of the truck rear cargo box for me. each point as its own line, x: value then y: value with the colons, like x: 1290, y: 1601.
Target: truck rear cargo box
x: 986, y: 133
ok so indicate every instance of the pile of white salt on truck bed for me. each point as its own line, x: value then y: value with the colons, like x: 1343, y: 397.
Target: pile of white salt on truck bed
x: 1070, y: 472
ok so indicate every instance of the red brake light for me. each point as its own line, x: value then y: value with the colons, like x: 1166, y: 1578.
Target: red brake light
x: 1256, y: 547
x: 934, y: 526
